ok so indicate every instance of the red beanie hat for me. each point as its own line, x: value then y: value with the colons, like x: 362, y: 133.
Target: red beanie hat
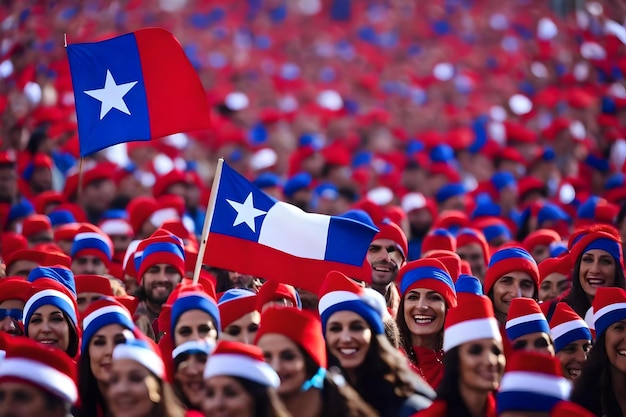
x: 467, y: 236
x: 541, y: 237
x: 389, y: 230
x: 35, y: 224
x: 274, y: 291
x: 451, y: 260
x: 508, y: 260
x: 562, y: 265
x: 439, y: 239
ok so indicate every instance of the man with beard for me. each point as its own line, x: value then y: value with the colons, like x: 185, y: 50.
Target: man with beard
x: 161, y: 267
x: 386, y: 255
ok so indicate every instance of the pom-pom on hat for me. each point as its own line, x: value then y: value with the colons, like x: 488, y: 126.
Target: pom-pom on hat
x: 468, y: 284
x: 566, y: 327
x: 101, y: 313
x: 428, y: 273
x: 533, y: 382
x: 525, y: 317
x: 142, y: 350
x: 235, y: 303
x: 301, y: 327
x: 47, y: 368
x: 389, y: 230
x: 509, y: 260
x: 194, y: 298
x: 472, y: 319
x: 242, y: 361
x: 609, y: 306
x: 340, y: 293
x: 272, y: 291
x: 439, y: 239
x: 90, y: 243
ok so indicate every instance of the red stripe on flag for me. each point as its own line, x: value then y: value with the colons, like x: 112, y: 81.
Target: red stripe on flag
x: 251, y: 258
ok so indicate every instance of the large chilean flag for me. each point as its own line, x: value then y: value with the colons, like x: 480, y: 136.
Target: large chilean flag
x: 252, y: 233
x: 138, y: 86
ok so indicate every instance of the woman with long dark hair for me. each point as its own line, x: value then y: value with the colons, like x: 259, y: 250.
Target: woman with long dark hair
x: 356, y: 342
x: 293, y: 345
x: 601, y: 387
x: 103, y: 328
x: 473, y: 362
x: 427, y: 293
x: 189, y: 361
x: 239, y: 382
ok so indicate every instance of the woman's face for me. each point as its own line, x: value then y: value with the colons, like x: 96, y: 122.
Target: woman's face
x: 189, y: 377
x: 194, y: 325
x: 49, y: 327
x: 597, y: 269
x: 513, y: 285
x: 538, y: 342
x: 225, y: 396
x: 573, y: 357
x: 424, y: 312
x: 243, y: 329
x: 348, y: 338
x: 101, y: 351
x: 616, y: 345
x: 481, y: 364
x: 133, y: 391
x: 553, y: 286
x: 287, y: 360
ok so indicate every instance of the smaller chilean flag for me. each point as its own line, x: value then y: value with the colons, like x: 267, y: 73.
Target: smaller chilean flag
x: 252, y: 233
x: 138, y: 86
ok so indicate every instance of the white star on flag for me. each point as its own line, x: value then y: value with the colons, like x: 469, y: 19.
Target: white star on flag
x: 112, y: 95
x: 246, y: 212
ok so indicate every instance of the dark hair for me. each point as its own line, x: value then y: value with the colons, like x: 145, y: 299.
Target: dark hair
x: 405, y: 335
x: 594, y: 389
x: 176, y: 385
x: 88, y: 390
x: 578, y: 298
x: 498, y: 314
x: 266, y: 401
x: 72, y: 347
x: 448, y: 389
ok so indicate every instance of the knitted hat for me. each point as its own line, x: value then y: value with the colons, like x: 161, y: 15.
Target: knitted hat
x: 235, y: 303
x: 428, y: 273
x: 47, y: 368
x: 566, y: 327
x: 450, y: 260
x: 58, y: 273
x: 609, y: 306
x: 35, y: 224
x: 47, y: 291
x: 340, y: 293
x: 598, y: 240
x: 389, y: 230
x: 160, y: 248
x: 561, y: 265
x: 14, y: 289
x: 525, y: 317
x: 509, y: 260
x: 101, y: 313
x: 468, y: 284
x: 205, y: 346
x: 301, y: 327
x: 31, y: 255
x: 438, y: 239
x: 532, y: 382
x: 467, y: 236
x: 541, y: 237
x: 241, y: 361
x: 472, y: 319
x: 88, y: 243
x: 273, y: 291
x: 139, y: 210
x: 194, y: 298
x: 93, y: 283
x: 142, y: 350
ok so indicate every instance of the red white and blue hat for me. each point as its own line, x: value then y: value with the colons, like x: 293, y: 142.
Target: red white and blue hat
x: 472, y: 319
x: 142, y: 350
x: 160, y: 248
x: 566, y: 327
x: 192, y: 298
x: 234, y: 304
x: 525, y: 317
x: 533, y: 382
x: 191, y: 347
x: 428, y: 273
x: 91, y: 243
x: 47, y: 291
x: 340, y: 293
x: 509, y: 260
x: 101, y: 313
x: 609, y: 306
x: 241, y: 361
x: 45, y: 367
x: 58, y: 273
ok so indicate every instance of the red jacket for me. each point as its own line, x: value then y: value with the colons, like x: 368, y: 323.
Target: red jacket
x: 439, y: 408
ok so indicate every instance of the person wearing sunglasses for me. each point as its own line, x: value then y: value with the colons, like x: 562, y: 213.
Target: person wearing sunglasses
x: 13, y: 295
x: 239, y: 316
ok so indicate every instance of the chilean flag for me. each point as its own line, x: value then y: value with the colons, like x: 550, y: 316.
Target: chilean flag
x: 138, y: 86
x: 252, y: 233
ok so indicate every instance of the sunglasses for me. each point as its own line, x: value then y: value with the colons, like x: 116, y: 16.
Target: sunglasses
x: 14, y: 313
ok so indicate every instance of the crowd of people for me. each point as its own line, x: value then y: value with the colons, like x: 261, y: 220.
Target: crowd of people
x: 485, y: 140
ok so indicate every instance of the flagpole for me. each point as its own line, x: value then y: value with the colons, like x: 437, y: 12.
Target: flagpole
x: 208, y: 218
x: 79, y: 191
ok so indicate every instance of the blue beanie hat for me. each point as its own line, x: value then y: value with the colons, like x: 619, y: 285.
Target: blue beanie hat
x: 194, y: 300
x: 62, y: 275
x: 101, y: 313
x: 468, y: 284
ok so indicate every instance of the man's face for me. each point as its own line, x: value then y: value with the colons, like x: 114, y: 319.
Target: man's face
x: 89, y: 265
x: 18, y: 399
x: 8, y: 184
x: 473, y: 253
x: 21, y: 268
x: 97, y: 196
x: 41, y: 179
x: 385, y: 259
x: 120, y: 242
x: 159, y: 281
x: 84, y: 299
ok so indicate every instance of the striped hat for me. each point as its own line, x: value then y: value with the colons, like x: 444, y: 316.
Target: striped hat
x: 472, y: 319
x: 58, y: 273
x: 598, y: 240
x: 609, y: 306
x: 160, y: 248
x: 92, y: 243
x: 507, y: 260
x: 47, y: 368
x: 566, y: 327
x: 142, y: 350
x: 193, y: 298
x: 234, y: 304
x: 242, y: 361
x: 101, y: 313
x: 46, y: 291
x: 525, y: 317
x: 533, y: 382
x: 340, y: 293
x: 428, y: 273
x: 191, y: 347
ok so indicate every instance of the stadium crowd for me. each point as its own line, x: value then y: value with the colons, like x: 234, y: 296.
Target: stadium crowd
x: 485, y: 140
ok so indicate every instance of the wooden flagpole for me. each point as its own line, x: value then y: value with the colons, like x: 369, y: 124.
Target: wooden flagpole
x: 208, y: 218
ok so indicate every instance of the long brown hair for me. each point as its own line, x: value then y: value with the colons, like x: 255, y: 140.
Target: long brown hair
x: 405, y: 335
